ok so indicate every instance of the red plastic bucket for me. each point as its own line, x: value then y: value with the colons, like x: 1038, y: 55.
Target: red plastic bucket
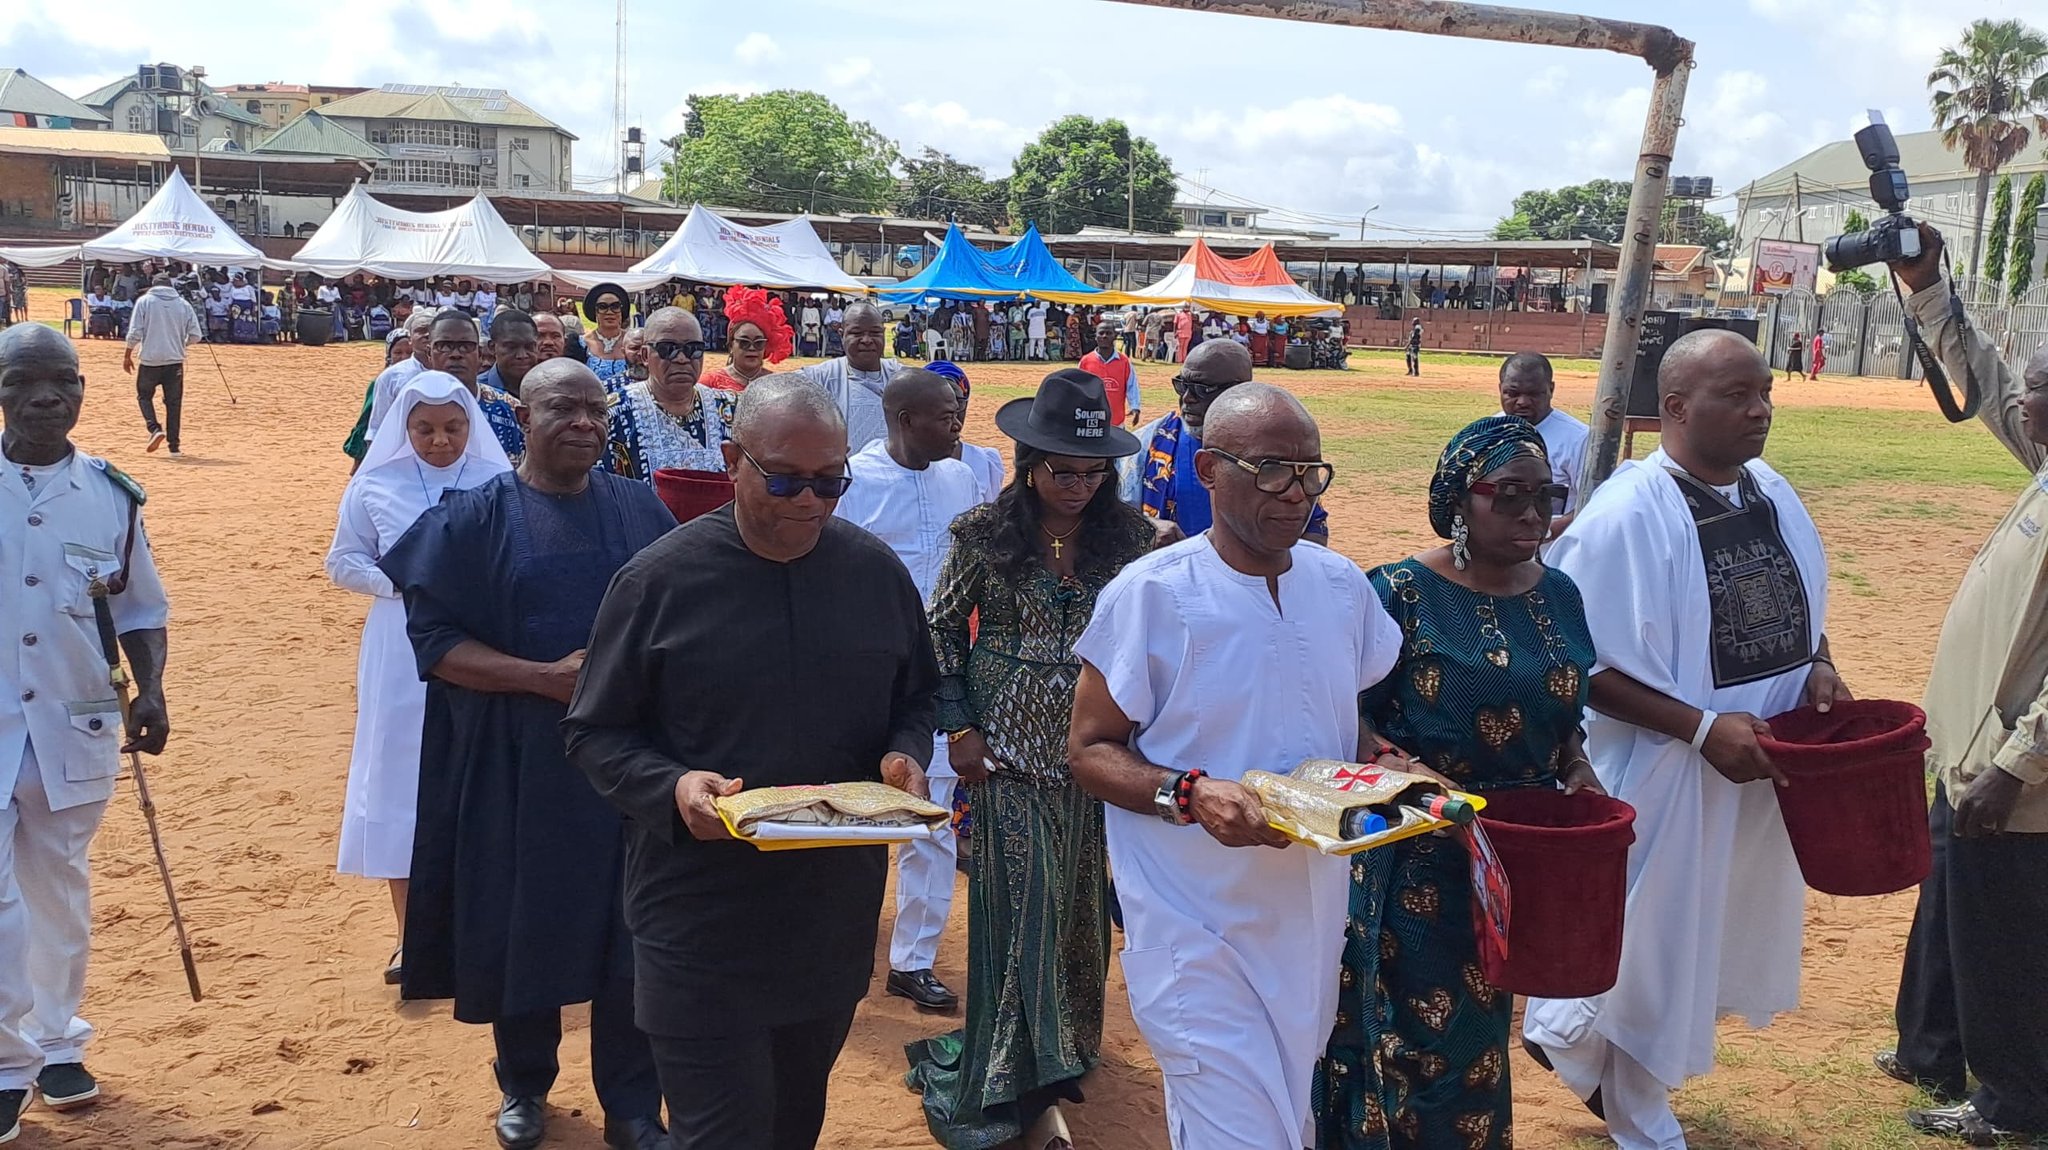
x: 1566, y: 858
x: 689, y: 494
x: 1857, y: 806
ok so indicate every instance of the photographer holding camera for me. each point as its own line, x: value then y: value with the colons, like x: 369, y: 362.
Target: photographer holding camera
x: 1972, y: 997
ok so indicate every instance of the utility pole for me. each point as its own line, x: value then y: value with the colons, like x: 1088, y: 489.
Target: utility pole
x: 1670, y: 57
x: 1131, y: 186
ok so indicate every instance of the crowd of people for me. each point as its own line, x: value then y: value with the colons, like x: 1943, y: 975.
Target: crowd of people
x: 601, y: 603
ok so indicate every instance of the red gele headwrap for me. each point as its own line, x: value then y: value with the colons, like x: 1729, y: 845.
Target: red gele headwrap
x: 752, y: 305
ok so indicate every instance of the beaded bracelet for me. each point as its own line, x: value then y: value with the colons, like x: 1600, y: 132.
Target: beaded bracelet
x: 1184, y: 794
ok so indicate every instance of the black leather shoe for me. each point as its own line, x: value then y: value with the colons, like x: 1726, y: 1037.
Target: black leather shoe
x: 923, y: 988
x: 1966, y: 1125
x: 12, y: 1103
x: 522, y: 1122
x: 1942, y: 1092
x: 635, y: 1134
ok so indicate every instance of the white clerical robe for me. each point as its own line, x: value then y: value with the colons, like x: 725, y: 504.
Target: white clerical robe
x: 1564, y: 441
x: 987, y: 465
x: 911, y: 511
x: 1715, y: 899
x: 1232, y: 954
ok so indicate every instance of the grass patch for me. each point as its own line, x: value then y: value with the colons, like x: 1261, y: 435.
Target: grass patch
x: 1433, y: 355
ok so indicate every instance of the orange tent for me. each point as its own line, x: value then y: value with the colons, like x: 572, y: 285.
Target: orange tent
x: 1255, y: 283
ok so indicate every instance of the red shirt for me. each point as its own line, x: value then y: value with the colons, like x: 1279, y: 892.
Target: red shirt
x: 1117, y: 376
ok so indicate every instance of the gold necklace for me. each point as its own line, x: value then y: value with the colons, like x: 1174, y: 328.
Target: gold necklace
x: 1057, y: 540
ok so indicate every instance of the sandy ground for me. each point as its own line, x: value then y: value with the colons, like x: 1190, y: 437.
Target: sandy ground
x: 300, y: 1045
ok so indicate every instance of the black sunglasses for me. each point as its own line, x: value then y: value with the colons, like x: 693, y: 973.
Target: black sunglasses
x: 1196, y: 389
x: 1514, y: 498
x: 790, y: 486
x: 1274, y: 476
x: 670, y: 350
x: 1079, y: 480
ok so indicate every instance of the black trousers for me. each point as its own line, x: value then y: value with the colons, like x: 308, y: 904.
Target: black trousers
x: 758, y: 1090
x: 1972, y: 996
x: 170, y: 377
x: 621, y: 1062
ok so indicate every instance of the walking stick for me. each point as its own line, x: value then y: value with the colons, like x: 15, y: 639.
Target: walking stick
x: 222, y: 372
x: 118, y: 676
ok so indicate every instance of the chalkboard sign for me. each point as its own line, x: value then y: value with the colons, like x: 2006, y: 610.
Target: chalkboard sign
x: 1661, y: 329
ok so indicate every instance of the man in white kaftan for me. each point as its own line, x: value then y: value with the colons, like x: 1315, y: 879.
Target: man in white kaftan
x: 855, y: 380
x: 1238, y: 649
x: 907, y: 490
x: 1713, y: 588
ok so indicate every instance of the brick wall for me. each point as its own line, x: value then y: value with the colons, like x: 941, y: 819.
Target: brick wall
x: 1446, y: 329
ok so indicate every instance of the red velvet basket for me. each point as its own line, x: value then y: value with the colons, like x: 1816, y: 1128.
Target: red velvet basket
x: 1566, y: 857
x: 1857, y: 806
x: 689, y: 494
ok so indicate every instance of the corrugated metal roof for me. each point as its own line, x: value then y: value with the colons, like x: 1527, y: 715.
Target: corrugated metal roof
x: 135, y: 146
x: 424, y: 102
x: 228, y: 107
x: 312, y: 134
x: 21, y: 92
x: 1921, y: 154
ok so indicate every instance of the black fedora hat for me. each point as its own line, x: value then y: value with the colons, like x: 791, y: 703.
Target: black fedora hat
x: 591, y: 297
x: 1068, y: 416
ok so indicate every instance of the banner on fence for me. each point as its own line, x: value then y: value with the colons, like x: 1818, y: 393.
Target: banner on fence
x: 1780, y: 266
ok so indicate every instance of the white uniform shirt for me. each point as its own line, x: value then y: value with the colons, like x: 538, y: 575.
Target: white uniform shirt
x: 54, y: 689
x: 328, y: 294
x: 911, y: 511
x: 1035, y: 320
x: 1564, y: 440
x: 1231, y: 955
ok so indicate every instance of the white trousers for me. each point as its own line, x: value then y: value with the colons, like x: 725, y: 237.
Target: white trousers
x: 1637, y: 1105
x: 45, y: 929
x: 1035, y: 348
x: 924, y: 879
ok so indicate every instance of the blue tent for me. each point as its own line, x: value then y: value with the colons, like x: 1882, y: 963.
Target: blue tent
x: 963, y: 272
x: 1029, y: 263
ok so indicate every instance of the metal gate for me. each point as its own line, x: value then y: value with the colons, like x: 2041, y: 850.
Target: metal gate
x: 2029, y: 319
x: 1841, y: 329
x: 1795, y: 315
x: 1884, y: 337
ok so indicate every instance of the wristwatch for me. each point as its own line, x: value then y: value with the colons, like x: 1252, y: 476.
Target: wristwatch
x: 1166, y: 800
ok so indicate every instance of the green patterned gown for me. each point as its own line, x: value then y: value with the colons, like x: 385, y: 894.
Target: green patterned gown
x: 1487, y: 692
x: 1038, y: 884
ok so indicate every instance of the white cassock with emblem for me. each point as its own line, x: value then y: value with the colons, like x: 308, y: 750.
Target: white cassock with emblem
x: 1716, y: 903
x: 60, y: 737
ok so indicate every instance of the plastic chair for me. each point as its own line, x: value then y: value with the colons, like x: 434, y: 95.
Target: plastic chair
x: 74, y: 312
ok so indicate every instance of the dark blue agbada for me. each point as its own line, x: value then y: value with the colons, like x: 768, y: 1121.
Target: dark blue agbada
x: 515, y: 903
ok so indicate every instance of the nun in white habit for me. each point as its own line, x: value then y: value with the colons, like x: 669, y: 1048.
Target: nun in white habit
x: 434, y: 439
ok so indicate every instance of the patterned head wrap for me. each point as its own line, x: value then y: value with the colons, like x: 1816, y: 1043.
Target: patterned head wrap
x: 1482, y: 448
x: 949, y: 370
x: 752, y: 305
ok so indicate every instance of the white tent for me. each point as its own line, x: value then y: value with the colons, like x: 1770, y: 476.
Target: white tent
x: 712, y: 249
x: 174, y: 225
x: 472, y: 241
x: 1254, y: 283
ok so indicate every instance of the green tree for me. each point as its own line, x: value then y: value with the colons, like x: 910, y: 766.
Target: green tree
x: 1857, y: 280
x: 1986, y: 89
x: 786, y: 151
x: 1596, y: 209
x: 938, y: 187
x: 2022, y: 270
x: 2001, y: 230
x: 1080, y: 170
x: 1855, y: 221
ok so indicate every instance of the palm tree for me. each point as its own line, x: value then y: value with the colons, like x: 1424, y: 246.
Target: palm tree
x: 1985, y: 90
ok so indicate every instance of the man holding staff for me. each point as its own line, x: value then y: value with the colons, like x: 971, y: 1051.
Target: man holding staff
x: 1241, y: 648
x: 1710, y: 594
x: 66, y: 521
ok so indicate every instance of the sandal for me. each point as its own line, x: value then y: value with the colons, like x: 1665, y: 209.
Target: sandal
x: 1050, y: 1131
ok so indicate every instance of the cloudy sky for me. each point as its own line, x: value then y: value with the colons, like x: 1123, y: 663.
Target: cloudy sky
x: 1326, y: 123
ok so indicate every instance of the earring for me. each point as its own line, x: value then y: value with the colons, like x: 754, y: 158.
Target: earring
x: 1030, y: 480
x: 1461, y: 535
